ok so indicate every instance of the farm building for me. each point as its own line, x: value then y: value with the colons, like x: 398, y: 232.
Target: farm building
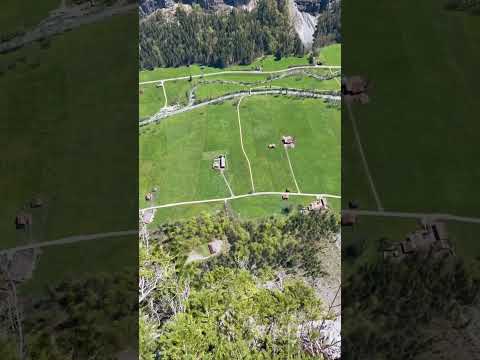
x: 220, y: 162
x: 288, y: 141
x: 319, y: 204
x: 23, y: 219
x: 348, y: 219
x: 431, y: 239
x: 215, y: 246
x: 285, y: 197
x: 36, y: 202
x: 354, y: 88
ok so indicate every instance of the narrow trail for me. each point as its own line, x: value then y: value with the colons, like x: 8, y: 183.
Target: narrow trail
x: 241, y: 143
x: 238, y: 197
x: 364, y: 159
x: 291, y: 170
x: 70, y: 240
x: 413, y: 215
x: 228, y: 185
x: 165, y: 94
x: 243, y: 72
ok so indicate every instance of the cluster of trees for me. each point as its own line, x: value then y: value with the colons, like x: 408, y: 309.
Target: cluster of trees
x: 247, y: 303
x: 77, y: 319
x: 328, y: 30
x: 386, y: 306
x: 217, y: 38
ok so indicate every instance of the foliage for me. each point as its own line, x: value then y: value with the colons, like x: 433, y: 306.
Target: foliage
x: 80, y: 318
x: 385, y: 300
x: 328, y: 30
x: 218, y: 39
x: 235, y: 305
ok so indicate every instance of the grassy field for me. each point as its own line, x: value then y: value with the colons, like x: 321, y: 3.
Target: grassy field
x: 414, y: 129
x: 418, y: 130
x: 30, y: 13
x: 331, y: 55
x: 151, y: 99
x: 201, y: 134
x: 316, y: 156
x: 176, y: 154
x: 60, y: 133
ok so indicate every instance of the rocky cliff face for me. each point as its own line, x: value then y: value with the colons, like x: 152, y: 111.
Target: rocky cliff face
x: 304, y: 13
x: 313, y: 7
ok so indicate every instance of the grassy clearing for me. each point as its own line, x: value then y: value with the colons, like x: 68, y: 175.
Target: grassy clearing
x: 171, y: 156
x: 59, y: 133
x: 331, y: 55
x: 151, y: 100
x: 184, y: 212
x: 316, y: 157
x: 262, y: 206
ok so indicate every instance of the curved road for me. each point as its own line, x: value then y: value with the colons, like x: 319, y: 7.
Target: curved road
x: 236, y: 197
x: 296, y: 92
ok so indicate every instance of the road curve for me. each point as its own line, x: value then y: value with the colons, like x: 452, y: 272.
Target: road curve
x: 292, y: 92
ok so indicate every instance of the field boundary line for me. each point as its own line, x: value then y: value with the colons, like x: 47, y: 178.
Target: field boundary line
x: 291, y: 170
x: 228, y: 185
x: 241, y: 143
x: 364, y: 159
x: 264, y: 193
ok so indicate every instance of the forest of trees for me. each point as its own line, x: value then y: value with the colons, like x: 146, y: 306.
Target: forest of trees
x: 328, y: 29
x: 217, y: 38
x: 76, y: 319
x: 387, y: 307
x: 246, y: 303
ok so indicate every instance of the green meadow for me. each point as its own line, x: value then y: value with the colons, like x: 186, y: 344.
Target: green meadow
x: 61, y: 149
x: 176, y: 154
x: 415, y: 125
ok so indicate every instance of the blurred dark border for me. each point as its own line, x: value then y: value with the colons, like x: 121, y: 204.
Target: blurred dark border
x: 410, y: 254
x: 69, y: 179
